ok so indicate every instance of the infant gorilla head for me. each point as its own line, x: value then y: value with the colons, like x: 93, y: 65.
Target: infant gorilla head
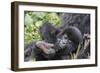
x: 69, y: 37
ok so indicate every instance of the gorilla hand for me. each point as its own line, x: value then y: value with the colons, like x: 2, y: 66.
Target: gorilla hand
x: 45, y: 47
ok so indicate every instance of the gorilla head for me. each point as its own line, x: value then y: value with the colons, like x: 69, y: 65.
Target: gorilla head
x: 69, y: 37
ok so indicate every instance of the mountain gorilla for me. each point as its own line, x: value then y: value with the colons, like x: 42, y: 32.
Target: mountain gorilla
x: 56, y: 44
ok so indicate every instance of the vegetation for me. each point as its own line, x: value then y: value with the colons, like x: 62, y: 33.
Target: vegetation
x: 33, y: 20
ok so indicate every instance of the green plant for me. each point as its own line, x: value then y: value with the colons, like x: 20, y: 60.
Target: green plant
x: 33, y: 20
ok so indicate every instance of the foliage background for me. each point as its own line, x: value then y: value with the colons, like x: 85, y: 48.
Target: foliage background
x: 33, y: 20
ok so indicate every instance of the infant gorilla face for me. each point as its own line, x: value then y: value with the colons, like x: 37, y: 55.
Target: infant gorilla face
x: 63, y: 41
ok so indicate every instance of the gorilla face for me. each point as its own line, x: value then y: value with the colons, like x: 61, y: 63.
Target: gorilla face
x: 63, y: 41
